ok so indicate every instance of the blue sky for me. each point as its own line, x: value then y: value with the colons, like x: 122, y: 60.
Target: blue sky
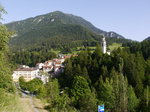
x: 130, y: 18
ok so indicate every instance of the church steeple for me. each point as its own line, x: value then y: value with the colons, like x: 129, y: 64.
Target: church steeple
x: 103, y: 45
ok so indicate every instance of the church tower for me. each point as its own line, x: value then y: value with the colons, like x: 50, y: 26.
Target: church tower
x: 103, y: 45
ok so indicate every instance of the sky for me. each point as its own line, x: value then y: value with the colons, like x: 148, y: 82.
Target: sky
x: 129, y: 18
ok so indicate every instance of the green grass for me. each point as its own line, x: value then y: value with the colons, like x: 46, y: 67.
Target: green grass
x: 75, y: 50
x: 55, y: 51
x: 114, y: 46
x: 82, y: 48
x: 79, y: 49
x: 11, y: 104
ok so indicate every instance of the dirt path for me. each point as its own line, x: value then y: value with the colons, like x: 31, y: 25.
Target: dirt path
x: 39, y: 105
x: 30, y: 104
x: 26, y: 104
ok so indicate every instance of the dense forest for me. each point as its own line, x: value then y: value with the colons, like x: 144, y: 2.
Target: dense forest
x: 143, y: 48
x: 120, y: 81
x: 40, y: 53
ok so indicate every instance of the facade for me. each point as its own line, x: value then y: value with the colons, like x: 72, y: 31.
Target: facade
x: 104, y: 45
x: 27, y: 73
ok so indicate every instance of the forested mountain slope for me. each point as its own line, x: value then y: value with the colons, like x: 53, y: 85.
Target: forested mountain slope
x: 56, y: 30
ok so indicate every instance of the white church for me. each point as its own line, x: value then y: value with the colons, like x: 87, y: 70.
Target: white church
x: 104, y: 46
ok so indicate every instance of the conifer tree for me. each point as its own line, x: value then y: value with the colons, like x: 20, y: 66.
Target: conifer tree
x: 85, y: 73
x: 133, y: 101
x: 52, y: 91
x: 104, y: 71
x: 98, y: 52
x: 82, y: 96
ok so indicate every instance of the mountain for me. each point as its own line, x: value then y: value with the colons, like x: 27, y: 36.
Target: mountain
x: 56, y: 30
x: 148, y: 38
x: 48, y: 19
x: 113, y: 35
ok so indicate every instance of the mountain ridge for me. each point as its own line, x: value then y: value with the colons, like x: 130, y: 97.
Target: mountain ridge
x: 71, y: 16
x: 74, y: 29
x: 148, y: 38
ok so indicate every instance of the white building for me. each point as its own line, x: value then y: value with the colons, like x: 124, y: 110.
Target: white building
x: 39, y: 65
x: 104, y: 45
x: 27, y: 73
x: 48, y: 63
x: 58, y: 63
x: 47, y: 68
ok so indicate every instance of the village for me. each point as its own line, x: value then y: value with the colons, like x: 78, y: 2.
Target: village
x: 50, y: 68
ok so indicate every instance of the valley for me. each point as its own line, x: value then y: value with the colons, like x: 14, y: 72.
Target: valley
x: 63, y: 63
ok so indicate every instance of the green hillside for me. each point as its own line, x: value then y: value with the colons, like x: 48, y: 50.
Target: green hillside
x: 54, y: 36
x: 37, y: 38
x: 57, y: 30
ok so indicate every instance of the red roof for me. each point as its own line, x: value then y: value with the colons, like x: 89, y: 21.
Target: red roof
x: 58, y: 62
x: 47, y: 66
x: 49, y: 61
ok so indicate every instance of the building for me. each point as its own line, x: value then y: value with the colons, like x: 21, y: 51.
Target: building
x: 103, y: 45
x: 27, y: 73
x: 54, y: 66
x: 39, y: 65
x: 49, y: 63
x: 47, y: 68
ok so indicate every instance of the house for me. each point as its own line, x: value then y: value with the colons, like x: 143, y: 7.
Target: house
x: 54, y: 66
x: 62, y: 60
x: 57, y: 69
x: 58, y: 63
x: 39, y: 65
x: 27, y: 73
x: 47, y: 68
x: 61, y: 55
x: 48, y: 63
